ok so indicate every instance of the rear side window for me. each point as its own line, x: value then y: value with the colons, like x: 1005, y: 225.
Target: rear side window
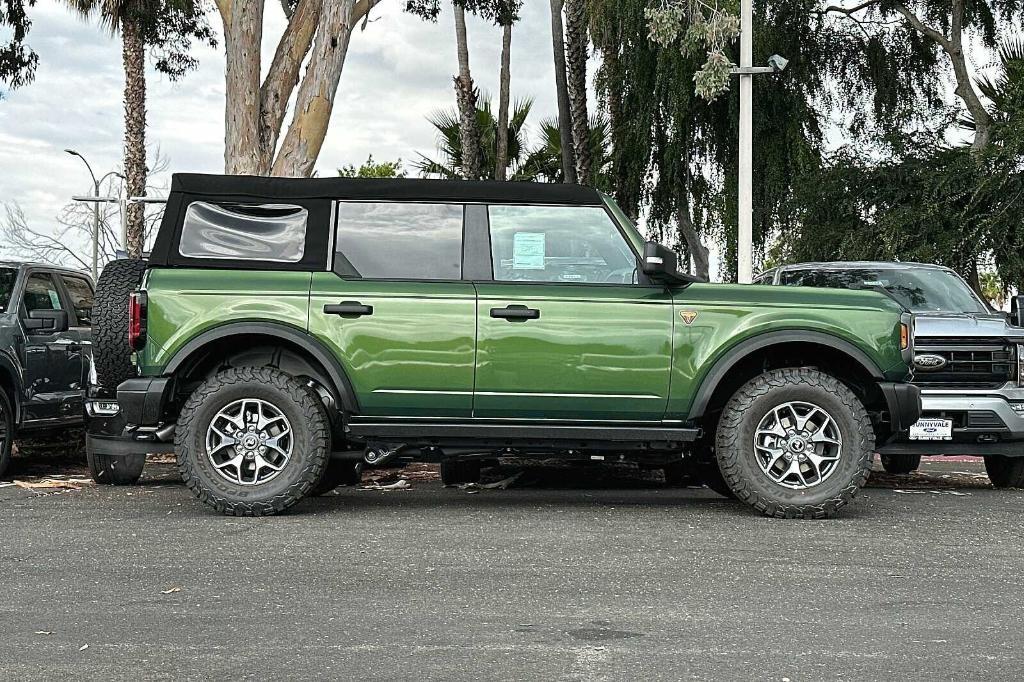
x: 41, y: 293
x: 81, y: 298
x: 260, y: 232
x: 399, y: 241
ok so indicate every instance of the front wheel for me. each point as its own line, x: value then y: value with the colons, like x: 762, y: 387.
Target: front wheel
x: 108, y: 470
x: 252, y: 441
x: 6, y: 431
x: 795, y: 443
x: 1005, y: 472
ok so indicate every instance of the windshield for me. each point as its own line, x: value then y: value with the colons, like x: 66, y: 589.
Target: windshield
x: 8, y: 276
x: 920, y: 290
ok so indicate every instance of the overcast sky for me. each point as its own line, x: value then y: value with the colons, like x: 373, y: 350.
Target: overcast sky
x: 398, y: 70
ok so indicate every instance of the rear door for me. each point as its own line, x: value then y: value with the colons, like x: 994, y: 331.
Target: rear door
x: 566, y: 331
x: 395, y: 309
x: 80, y: 297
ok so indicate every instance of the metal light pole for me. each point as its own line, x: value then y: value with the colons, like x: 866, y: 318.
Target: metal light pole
x: 745, y: 241
x: 95, y: 212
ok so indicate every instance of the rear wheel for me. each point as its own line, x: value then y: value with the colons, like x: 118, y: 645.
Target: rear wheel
x: 1005, y: 472
x: 795, y: 443
x: 252, y: 441
x: 900, y: 464
x: 112, y: 356
x: 6, y: 431
x: 107, y: 470
x: 460, y: 472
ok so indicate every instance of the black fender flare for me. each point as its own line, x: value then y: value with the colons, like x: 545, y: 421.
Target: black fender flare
x: 10, y: 369
x: 744, y: 348
x: 276, y: 330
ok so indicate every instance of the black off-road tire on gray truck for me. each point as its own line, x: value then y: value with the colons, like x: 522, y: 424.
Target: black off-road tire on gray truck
x: 236, y: 474
x: 900, y: 464
x: 1005, y: 472
x: 338, y: 472
x: 775, y: 473
x: 107, y: 470
x: 112, y: 356
x: 6, y: 431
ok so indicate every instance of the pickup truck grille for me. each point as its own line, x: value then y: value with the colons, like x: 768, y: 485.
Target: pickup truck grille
x: 970, y: 363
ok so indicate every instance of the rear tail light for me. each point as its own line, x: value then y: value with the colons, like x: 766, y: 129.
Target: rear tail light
x: 137, y: 320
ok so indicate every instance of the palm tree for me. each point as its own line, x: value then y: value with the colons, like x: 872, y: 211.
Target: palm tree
x: 466, y: 96
x: 170, y: 26
x: 1005, y: 92
x: 576, y: 59
x: 562, y: 88
x: 545, y: 160
x: 447, y: 124
x: 506, y: 14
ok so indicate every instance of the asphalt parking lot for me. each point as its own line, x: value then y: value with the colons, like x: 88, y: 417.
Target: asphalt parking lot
x: 575, y: 574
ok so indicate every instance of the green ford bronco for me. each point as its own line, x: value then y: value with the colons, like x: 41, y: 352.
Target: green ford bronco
x: 286, y: 330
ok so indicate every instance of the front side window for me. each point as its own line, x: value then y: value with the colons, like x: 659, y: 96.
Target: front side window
x: 399, y: 241
x: 41, y: 293
x: 81, y: 298
x: 567, y: 244
x: 261, y: 232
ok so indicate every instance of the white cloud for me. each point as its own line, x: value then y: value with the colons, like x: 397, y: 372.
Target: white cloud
x: 398, y: 71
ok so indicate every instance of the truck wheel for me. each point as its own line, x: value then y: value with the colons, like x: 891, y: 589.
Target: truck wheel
x: 6, y: 431
x: 112, y: 356
x: 1005, y: 472
x: 107, y: 470
x: 795, y: 443
x: 337, y: 473
x: 252, y: 441
x: 460, y: 472
x: 711, y: 476
x: 900, y: 464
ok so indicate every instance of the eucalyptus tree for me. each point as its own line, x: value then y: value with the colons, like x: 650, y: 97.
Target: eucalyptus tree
x: 166, y: 29
x: 17, y: 59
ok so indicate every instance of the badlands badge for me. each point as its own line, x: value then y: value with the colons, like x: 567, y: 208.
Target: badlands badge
x: 688, y: 316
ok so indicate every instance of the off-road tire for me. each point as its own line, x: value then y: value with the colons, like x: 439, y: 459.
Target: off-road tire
x: 900, y: 464
x: 6, y: 431
x: 310, y: 426
x: 107, y: 470
x: 744, y: 412
x: 1005, y: 472
x: 460, y: 472
x: 337, y: 473
x: 112, y: 355
x: 710, y: 475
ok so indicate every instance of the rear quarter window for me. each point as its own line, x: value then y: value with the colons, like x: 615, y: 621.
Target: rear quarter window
x: 259, y: 232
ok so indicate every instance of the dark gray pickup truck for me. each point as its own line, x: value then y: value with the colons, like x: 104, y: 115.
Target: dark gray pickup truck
x: 45, y: 345
x: 969, y: 363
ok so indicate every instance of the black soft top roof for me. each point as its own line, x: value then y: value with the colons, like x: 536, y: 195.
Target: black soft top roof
x: 391, y: 189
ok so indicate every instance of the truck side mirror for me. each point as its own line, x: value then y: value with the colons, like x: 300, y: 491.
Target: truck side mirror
x: 1017, y: 311
x: 661, y: 265
x: 51, y: 321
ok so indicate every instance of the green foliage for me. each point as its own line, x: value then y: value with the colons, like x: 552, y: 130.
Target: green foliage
x: 695, y: 27
x: 168, y: 27
x: 373, y: 169
x: 17, y: 60
x: 544, y: 162
x: 501, y: 12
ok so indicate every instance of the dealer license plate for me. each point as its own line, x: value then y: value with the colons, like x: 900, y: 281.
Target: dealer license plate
x: 932, y: 429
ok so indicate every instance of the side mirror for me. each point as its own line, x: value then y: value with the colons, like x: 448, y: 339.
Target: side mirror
x: 661, y: 265
x: 1017, y: 311
x: 52, y: 321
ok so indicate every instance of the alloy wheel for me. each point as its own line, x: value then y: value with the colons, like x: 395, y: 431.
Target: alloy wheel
x: 249, y: 442
x: 798, y: 445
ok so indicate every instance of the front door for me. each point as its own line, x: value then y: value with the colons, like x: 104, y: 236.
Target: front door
x: 396, y: 311
x: 53, y: 363
x: 564, y: 329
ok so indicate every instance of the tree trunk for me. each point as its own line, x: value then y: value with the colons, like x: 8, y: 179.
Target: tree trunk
x: 466, y: 96
x: 315, y: 99
x: 564, y: 113
x: 501, y: 153
x: 610, y: 55
x: 576, y: 58
x: 134, y: 56
x: 697, y: 251
x: 243, y: 33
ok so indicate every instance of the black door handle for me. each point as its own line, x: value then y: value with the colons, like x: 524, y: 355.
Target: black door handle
x: 348, y: 309
x: 516, y: 312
